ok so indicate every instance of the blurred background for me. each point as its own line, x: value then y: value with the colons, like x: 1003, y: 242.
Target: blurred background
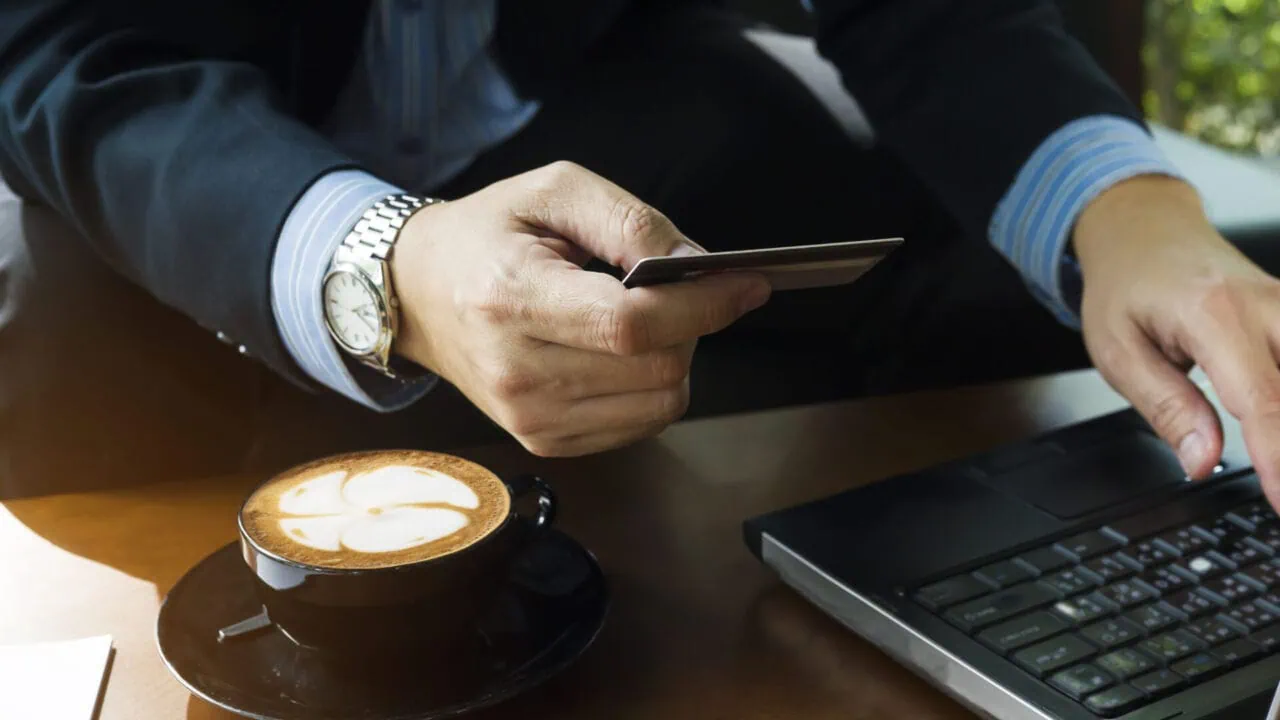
x: 1213, y: 71
x: 1207, y: 68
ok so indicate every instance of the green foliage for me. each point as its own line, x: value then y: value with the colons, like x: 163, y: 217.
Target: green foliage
x: 1213, y: 69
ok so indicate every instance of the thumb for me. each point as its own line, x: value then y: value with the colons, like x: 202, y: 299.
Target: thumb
x: 1164, y: 395
x: 598, y: 216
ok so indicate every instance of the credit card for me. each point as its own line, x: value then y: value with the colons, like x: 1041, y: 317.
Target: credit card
x: 787, y: 268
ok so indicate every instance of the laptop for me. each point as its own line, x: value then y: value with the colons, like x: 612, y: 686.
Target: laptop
x: 1076, y: 575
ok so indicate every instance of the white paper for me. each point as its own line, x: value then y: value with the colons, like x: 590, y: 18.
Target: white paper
x: 55, y: 680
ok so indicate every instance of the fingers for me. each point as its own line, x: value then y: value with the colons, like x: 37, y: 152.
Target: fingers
x: 1166, y: 397
x: 1235, y: 352
x: 593, y: 311
x: 590, y: 443
x: 601, y: 217
x: 604, y: 422
x: 578, y: 374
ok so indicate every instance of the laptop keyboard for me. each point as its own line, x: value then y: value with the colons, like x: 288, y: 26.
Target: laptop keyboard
x: 1115, y: 622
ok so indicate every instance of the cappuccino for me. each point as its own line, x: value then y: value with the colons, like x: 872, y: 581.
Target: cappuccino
x: 375, y: 509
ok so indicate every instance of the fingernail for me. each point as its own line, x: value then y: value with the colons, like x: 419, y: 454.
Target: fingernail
x: 757, y: 295
x: 686, y: 249
x: 1191, y: 449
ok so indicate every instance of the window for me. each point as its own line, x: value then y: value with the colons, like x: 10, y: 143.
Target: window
x: 1213, y: 71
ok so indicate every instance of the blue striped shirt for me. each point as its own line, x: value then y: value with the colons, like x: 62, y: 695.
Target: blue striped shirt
x: 425, y: 99
x: 1032, y: 224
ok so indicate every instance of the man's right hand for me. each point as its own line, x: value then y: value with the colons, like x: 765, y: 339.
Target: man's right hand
x: 494, y: 299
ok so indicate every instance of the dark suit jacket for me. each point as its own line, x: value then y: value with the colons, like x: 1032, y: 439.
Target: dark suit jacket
x: 176, y: 136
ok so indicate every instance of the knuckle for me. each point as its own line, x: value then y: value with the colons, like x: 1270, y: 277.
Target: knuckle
x: 1109, y: 355
x: 522, y: 423
x: 673, y: 404
x: 670, y: 368
x: 565, y: 169
x: 541, y: 447
x: 556, y: 175
x: 536, y: 446
x: 1264, y: 399
x: 509, y: 382
x: 622, y: 330
x: 491, y: 299
x: 637, y: 220
x: 1219, y: 299
x: 718, y: 315
x: 1173, y: 414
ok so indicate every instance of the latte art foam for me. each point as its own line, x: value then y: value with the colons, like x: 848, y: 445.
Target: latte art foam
x: 376, y: 509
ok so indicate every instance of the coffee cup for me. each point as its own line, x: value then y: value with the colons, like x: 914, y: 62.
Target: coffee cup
x: 386, y: 552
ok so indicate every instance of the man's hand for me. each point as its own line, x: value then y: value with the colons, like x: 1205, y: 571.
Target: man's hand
x: 1163, y: 291
x: 494, y: 299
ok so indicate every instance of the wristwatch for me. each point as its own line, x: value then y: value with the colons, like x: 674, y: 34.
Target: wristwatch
x: 360, y: 307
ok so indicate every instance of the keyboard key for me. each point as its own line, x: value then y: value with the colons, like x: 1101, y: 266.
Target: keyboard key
x: 1171, y: 646
x: 1269, y: 536
x: 1083, y: 609
x: 1197, y: 665
x: 1212, y: 631
x: 1110, y: 633
x: 1072, y: 581
x: 1192, y: 604
x: 1000, y: 606
x: 1045, y: 560
x: 1004, y: 574
x: 1188, y: 540
x: 1022, y: 631
x: 1264, y: 575
x: 1110, y: 567
x: 1126, y: 593
x: 1081, y: 680
x: 1225, y: 531
x: 1232, y: 588
x: 1246, y: 551
x: 1150, y: 553
x: 1094, y: 542
x: 1252, y: 615
x: 1158, y: 682
x: 1046, y: 657
x: 1267, y: 639
x: 1258, y: 514
x: 1126, y: 662
x: 1205, y: 566
x: 1116, y: 701
x: 941, y: 595
x: 1164, y: 580
x: 1237, y: 652
x: 1268, y: 550
x: 1153, y: 618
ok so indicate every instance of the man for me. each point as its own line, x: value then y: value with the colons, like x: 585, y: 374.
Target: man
x: 222, y: 155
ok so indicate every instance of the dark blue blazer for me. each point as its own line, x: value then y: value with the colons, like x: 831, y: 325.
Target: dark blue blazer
x: 176, y: 136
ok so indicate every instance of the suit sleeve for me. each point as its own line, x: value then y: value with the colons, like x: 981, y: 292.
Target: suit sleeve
x: 965, y: 91
x: 171, y: 153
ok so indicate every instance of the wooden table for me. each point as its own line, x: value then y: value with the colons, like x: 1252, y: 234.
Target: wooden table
x: 698, y: 629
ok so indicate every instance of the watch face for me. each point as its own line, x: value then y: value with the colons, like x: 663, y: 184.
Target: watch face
x: 353, y: 311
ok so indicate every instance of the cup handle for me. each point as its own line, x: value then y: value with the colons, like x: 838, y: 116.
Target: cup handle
x: 523, y: 485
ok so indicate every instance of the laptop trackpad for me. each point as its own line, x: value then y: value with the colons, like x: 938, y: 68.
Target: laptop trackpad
x: 1077, y: 483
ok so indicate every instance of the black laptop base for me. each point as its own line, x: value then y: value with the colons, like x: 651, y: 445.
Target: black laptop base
x: 1074, y: 576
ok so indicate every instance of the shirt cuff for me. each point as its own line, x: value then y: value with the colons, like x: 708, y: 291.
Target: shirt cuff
x: 316, y: 225
x: 1032, y: 224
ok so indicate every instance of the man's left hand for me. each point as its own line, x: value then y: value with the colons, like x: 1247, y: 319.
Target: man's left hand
x: 1163, y: 291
